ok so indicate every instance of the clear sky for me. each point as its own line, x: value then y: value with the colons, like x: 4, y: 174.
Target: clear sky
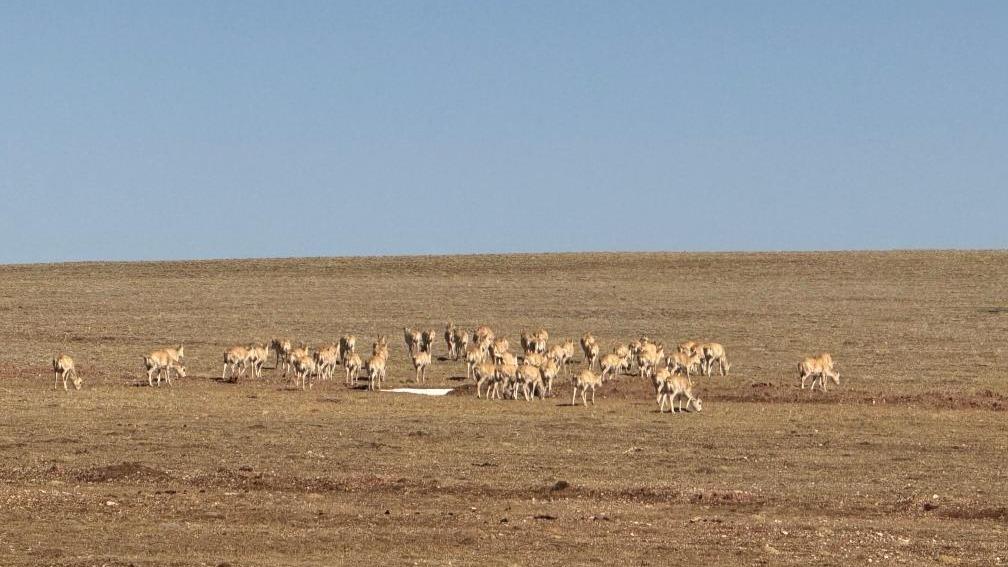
x: 132, y: 130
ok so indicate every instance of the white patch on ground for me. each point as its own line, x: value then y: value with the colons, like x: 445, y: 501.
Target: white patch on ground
x: 421, y: 391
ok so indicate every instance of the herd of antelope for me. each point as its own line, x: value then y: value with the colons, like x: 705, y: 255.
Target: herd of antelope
x: 497, y: 371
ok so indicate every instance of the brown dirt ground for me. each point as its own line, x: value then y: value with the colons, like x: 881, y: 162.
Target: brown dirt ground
x: 904, y: 462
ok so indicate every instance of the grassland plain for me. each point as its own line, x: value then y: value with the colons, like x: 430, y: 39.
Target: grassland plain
x: 904, y: 462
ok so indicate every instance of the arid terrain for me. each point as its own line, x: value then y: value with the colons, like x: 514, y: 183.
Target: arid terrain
x: 903, y: 462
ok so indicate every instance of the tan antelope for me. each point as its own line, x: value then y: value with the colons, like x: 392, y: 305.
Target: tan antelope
x: 421, y: 361
x: 483, y: 337
x: 687, y: 347
x: 527, y: 342
x: 461, y: 339
x: 326, y: 358
x: 589, y: 345
x: 539, y: 340
x: 427, y: 339
x: 507, y: 379
x: 623, y: 352
x: 158, y: 362
x: 550, y: 369
x: 498, y: 347
x: 282, y: 348
x: 531, y: 380
x: 412, y: 340
x: 677, y: 387
x: 683, y: 363
x: 610, y: 365
x: 376, y: 367
x: 818, y: 368
x: 257, y: 355
x: 473, y: 356
x: 715, y: 352
x: 347, y: 346
x: 484, y: 373
x: 352, y: 364
x: 509, y: 358
x: 63, y: 367
x: 584, y: 380
x: 236, y: 359
x: 305, y: 368
x: 658, y: 378
x: 449, y: 339
x: 534, y: 359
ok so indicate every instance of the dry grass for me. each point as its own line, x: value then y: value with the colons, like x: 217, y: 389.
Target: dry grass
x: 903, y: 461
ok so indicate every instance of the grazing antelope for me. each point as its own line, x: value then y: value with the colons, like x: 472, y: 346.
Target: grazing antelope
x: 282, y: 348
x: 352, y: 363
x: 610, y: 365
x: 677, y: 387
x: 715, y: 352
x: 550, y: 369
x: 818, y: 368
x: 376, y: 367
x: 412, y: 339
x: 63, y: 367
x: 584, y: 380
x: 236, y: 358
x: 257, y: 355
x: 421, y: 361
x: 159, y: 363
x: 484, y: 373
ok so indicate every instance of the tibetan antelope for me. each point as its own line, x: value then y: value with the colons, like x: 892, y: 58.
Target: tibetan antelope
x: 473, y: 356
x: 236, y: 358
x: 421, y: 361
x: 610, y: 365
x: 590, y: 348
x: 584, y: 380
x: 715, y: 352
x: 687, y: 347
x: 159, y: 363
x: 427, y: 339
x: 685, y: 363
x: 282, y: 348
x: 534, y: 359
x: 412, y: 340
x: 63, y: 367
x: 449, y: 339
x: 376, y: 368
x: 818, y: 368
x: 461, y: 339
x: 550, y: 369
x: 352, y: 364
x: 498, y: 347
x: 539, y: 340
x: 327, y: 358
x: 257, y: 355
x: 484, y: 373
x: 677, y: 387
x: 530, y: 379
x: 175, y: 354
x: 305, y: 368
x: 507, y: 379
x: 347, y: 346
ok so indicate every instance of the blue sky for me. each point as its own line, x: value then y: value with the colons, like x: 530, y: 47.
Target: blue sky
x: 133, y: 130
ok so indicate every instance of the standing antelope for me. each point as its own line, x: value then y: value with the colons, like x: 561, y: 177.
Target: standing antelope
x: 421, y: 361
x: 159, y: 363
x: 427, y: 339
x: 550, y: 369
x: 352, y: 363
x: 236, y: 358
x: 327, y: 358
x: 498, y: 347
x: 610, y: 365
x: 63, y: 367
x: 484, y: 373
x: 584, y: 380
x: 412, y: 339
x: 376, y: 370
x: 257, y: 355
x: 685, y: 363
x: 449, y: 339
x: 347, y: 345
x: 473, y: 356
x: 282, y: 348
x: 461, y: 339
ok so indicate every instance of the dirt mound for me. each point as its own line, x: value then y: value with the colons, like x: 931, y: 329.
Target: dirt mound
x: 122, y: 471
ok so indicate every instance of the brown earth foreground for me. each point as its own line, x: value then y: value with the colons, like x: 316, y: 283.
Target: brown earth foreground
x: 904, y: 462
